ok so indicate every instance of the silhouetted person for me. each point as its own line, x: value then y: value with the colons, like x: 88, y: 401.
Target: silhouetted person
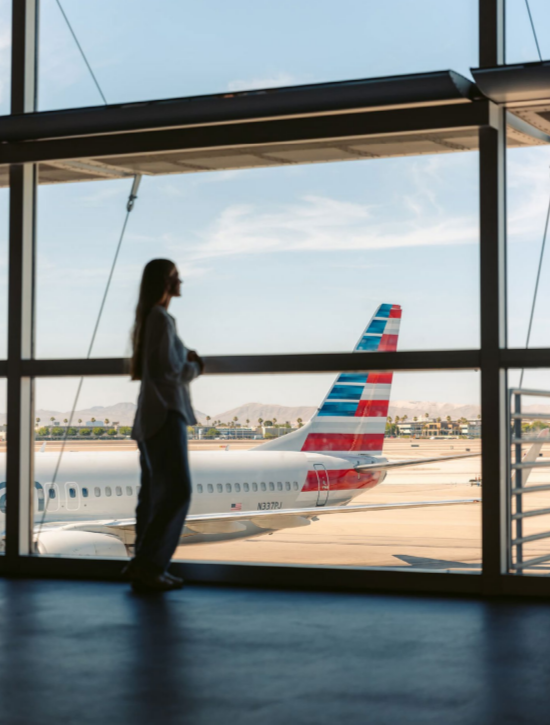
x: 165, y: 368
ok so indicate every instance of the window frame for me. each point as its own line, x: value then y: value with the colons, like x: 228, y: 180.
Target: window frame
x: 493, y: 358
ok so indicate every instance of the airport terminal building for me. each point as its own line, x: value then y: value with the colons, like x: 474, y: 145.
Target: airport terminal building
x: 356, y: 198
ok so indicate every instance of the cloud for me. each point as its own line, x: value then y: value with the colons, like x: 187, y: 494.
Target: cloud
x: 318, y: 223
x: 282, y: 78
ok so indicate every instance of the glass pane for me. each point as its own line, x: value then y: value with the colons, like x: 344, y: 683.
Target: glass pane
x: 5, y: 56
x: 529, y: 524
x: 285, y: 259
x: 306, y: 466
x: 527, y: 207
x: 218, y: 47
x: 521, y: 45
x: 3, y: 434
x: 4, y: 231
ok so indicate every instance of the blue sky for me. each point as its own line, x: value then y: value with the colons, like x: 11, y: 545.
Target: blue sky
x: 276, y: 260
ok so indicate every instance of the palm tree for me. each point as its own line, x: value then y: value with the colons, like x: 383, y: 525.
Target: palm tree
x: 390, y: 419
x: 52, y: 419
x: 397, y: 419
x: 415, y: 418
x: 37, y: 421
x: 427, y: 415
x: 260, y: 421
x: 438, y: 420
x: 248, y: 422
x: 106, y: 421
x: 448, y: 419
x: 274, y: 421
x: 93, y: 420
x: 299, y: 421
x: 479, y: 416
x: 79, y: 421
x: 404, y: 418
x: 208, y: 419
x: 65, y: 421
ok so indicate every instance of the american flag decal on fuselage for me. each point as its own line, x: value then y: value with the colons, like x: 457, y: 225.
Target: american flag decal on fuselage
x: 352, y: 418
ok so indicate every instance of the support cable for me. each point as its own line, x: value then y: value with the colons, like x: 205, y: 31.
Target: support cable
x: 532, y: 28
x: 536, y: 287
x: 129, y: 207
x: 82, y: 53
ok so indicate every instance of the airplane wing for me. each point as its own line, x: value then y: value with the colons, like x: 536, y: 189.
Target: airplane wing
x: 411, y: 462
x: 223, y: 523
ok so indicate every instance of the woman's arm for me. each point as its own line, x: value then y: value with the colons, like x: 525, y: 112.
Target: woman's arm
x: 159, y: 348
x: 193, y: 367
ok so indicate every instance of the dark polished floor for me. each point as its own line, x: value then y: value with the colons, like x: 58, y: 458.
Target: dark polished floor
x: 91, y: 652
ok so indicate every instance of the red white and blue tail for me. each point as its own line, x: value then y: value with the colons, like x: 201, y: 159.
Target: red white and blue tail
x: 352, y: 417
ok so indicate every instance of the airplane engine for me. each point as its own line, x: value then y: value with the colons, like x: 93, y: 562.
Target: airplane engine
x: 79, y: 543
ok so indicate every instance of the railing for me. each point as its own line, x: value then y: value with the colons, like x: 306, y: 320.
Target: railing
x: 519, y: 471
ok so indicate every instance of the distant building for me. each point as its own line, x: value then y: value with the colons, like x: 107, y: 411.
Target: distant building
x: 274, y: 431
x: 410, y: 428
x: 202, y: 433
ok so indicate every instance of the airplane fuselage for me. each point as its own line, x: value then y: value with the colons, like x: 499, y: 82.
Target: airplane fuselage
x: 100, y: 486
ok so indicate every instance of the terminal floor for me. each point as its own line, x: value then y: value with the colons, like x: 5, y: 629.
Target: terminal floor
x: 92, y: 652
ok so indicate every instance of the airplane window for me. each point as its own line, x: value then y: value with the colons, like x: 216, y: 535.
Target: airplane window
x: 219, y: 487
x: 97, y: 491
x: 118, y: 491
x: 263, y: 486
x: 72, y: 493
x: 246, y: 487
x: 279, y: 486
x: 210, y: 488
x: 228, y: 487
x: 51, y: 493
x: 288, y: 486
x: 295, y: 485
x: 199, y: 488
x: 85, y: 492
x: 254, y: 486
x: 237, y: 487
x: 108, y: 491
x: 3, y: 503
x: 129, y: 490
x: 271, y: 486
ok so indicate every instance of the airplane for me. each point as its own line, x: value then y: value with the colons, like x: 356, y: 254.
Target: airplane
x: 283, y: 483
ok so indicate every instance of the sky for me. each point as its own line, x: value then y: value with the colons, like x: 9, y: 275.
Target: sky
x: 286, y: 259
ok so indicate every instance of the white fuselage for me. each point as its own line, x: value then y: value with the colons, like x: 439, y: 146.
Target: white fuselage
x: 104, y: 485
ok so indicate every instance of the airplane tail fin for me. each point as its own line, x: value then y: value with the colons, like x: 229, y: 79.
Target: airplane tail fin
x: 352, y: 417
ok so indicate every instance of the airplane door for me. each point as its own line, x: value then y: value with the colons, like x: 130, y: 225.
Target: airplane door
x: 323, y: 484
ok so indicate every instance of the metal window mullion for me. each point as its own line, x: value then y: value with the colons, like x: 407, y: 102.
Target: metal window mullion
x: 19, y: 459
x: 492, y: 161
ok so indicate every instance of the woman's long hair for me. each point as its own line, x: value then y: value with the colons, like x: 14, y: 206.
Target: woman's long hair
x: 154, y: 283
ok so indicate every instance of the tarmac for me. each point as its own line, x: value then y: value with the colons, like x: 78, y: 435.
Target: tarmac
x: 442, y: 538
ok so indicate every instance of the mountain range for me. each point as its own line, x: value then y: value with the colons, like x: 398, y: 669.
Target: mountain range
x: 123, y: 413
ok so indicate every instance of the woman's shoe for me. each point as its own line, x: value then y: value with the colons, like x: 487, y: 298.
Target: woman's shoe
x: 178, y: 580
x: 144, y: 582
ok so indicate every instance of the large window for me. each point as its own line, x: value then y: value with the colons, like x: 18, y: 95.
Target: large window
x: 257, y: 453
x: 218, y: 47
x: 292, y: 259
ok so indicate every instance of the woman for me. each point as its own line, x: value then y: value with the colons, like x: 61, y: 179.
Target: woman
x: 164, y: 411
